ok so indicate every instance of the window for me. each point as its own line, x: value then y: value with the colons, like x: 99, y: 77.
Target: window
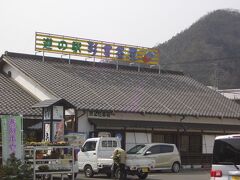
x: 191, y: 143
x: 104, y: 144
x: 154, y: 149
x: 187, y: 143
x: 195, y: 144
x: 164, y: 138
x: 226, y: 151
x: 170, y: 138
x: 184, y: 143
x: 166, y: 148
x: 136, y: 149
x: 89, y: 146
x: 114, y: 144
x: 69, y: 122
x: 158, y: 138
x: 109, y: 143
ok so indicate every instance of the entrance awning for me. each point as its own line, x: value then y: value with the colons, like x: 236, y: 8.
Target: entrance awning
x: 53, y: 102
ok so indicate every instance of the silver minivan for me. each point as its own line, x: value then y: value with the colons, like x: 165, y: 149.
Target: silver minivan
x: 166, y: 156
x: 226, y: 158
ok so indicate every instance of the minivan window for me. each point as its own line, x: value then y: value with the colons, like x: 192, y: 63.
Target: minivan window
x: 154, y: 149
x: 136, y: 149
x: 226, y: 151
x: 166, y: 148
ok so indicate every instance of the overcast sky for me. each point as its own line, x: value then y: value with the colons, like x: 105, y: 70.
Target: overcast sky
x: 136, y: 22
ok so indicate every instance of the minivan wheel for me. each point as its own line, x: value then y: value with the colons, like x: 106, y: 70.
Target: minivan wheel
x: 88, y: 171
x: 176, y: 167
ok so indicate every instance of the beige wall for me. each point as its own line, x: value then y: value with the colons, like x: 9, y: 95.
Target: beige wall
x: 83, y: 124
x: 28, y: 84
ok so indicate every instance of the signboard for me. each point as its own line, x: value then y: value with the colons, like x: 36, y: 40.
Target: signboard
x: 58, y: 131
x: 47, y: 132
x: 47, y: 113
x: 75, y: 139
x: 11, y: 136
x: 52, y: 43
x: 57, y: 112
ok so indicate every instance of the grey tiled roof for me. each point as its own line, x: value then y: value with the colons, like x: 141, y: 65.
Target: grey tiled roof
x: 97, y: 86
x: 14, y: 100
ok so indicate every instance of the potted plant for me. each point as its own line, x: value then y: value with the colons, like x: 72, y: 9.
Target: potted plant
x: 43, y: 168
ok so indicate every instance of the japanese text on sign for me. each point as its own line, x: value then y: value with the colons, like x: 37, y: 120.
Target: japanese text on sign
x: 99, y: 49
x: 12, y: 135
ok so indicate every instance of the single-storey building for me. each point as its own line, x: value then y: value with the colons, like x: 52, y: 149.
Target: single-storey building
x: 138, y: 105
x: 233, y: 94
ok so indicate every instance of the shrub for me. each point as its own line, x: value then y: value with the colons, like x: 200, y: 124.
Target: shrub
x: 15, y: 169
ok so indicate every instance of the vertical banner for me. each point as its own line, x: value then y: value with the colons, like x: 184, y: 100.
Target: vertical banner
x: 58, y: 131
x: 11, y: 136
x: 47, y: 132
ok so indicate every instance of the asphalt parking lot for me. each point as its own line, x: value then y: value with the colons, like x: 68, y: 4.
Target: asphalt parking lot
x: 199, y: 174
x: 183, y: 175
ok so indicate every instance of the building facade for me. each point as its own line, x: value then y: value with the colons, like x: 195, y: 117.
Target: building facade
x: 137, y: 106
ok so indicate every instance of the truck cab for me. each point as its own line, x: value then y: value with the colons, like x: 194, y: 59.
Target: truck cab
x: 95, y: 155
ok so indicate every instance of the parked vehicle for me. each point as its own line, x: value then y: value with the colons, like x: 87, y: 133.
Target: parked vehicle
x: 166, y: 156
x: 226, y: 158
x: 95, y: 157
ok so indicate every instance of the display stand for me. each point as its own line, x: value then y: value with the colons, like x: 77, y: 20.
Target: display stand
x: 48, y: 163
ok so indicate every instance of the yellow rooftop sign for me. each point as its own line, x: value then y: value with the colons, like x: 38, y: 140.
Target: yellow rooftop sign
x: 52, y: 43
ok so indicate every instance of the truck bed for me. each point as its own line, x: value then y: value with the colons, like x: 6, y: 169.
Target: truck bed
x: 130, y: 162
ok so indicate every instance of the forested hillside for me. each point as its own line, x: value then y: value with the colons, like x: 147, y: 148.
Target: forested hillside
x: 208, y: 51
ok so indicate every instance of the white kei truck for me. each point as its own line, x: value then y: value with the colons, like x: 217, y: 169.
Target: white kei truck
x: 95, y: 157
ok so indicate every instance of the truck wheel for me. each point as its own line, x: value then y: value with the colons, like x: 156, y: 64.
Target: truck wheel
x: 88, y: 171
x: 117, y: 173
x: 142, y: 175
x: 109, y: 174
x: 176, y: 167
